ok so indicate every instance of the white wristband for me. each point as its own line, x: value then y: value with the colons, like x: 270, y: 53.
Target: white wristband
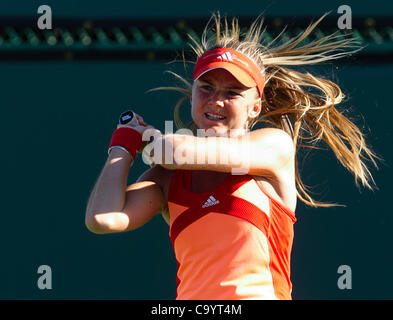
x: 118, y: 147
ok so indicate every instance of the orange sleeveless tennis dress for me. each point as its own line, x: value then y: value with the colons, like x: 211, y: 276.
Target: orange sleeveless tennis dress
x: 231, y: 243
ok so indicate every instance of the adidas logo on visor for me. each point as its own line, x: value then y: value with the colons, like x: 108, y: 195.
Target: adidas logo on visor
x: 210, y: 202
x: 225, y: 56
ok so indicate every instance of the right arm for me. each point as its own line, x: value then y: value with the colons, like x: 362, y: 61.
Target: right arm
x: 114, y: 207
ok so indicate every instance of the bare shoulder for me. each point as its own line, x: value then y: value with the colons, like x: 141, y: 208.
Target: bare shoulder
x: 275, y: 136
x: 272, y: 152
x: 280, y: 184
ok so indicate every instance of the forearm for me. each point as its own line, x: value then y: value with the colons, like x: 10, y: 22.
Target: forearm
x: 259, y: 152
x: 223, y: 154
x: 108, y: 194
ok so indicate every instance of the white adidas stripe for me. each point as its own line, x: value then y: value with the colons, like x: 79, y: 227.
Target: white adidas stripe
x: 225, y: 56
x: 211, y: 201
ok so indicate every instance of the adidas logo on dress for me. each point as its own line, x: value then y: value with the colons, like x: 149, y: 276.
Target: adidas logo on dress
x: 210, y: 202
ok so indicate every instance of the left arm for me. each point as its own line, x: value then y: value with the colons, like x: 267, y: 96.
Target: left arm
x: 259, y: 152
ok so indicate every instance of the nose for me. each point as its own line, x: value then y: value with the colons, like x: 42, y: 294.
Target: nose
x: 217, y: 99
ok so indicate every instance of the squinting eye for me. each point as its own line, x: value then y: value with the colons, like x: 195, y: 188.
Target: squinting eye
x: 233, y: 93
x: 206, y: 87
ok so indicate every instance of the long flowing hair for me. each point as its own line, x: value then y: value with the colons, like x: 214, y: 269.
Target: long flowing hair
x: 300, y: 103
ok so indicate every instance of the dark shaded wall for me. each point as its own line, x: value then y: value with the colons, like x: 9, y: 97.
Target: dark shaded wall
x: 57, y: 121
x: 203, y: 8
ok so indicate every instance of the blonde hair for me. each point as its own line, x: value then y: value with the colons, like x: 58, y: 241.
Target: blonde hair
x: 289, y: 101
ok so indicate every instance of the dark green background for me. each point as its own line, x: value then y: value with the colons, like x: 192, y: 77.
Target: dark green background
x: 57, y: 121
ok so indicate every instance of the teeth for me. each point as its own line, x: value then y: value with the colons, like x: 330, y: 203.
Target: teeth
x: 214, y: 117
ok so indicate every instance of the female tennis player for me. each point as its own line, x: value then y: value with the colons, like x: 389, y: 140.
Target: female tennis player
x: 232, y: 234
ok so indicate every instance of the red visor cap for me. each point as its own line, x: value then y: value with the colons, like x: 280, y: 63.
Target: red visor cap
x: 239, y: 65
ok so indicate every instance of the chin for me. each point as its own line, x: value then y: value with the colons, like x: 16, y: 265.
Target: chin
x: 217, y: 131
x: 224, y: 132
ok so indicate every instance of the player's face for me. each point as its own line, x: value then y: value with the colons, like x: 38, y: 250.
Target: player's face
x: 221, y: 103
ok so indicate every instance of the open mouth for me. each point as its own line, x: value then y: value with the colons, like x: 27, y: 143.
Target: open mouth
x: 214, y: 117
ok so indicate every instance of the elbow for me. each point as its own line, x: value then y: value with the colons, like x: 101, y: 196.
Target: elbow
x: 93, y: 225
x: 110, y: 222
